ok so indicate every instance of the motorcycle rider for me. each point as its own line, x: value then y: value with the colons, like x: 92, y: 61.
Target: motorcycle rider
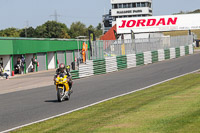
x: 65, y: 71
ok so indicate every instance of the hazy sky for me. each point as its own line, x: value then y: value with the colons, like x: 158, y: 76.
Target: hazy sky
x: 19, y: 13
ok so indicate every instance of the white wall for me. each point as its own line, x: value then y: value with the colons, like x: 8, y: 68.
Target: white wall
x: 28, y: 62
x: 146, y: 35
x: 51, y: 60
x: 7, y: 64
x: 69, y: 55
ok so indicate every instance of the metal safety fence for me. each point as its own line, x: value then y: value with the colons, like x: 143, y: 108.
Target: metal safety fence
x: 108, y: 48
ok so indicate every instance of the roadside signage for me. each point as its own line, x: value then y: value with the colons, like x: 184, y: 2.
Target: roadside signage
x: 158, y: 23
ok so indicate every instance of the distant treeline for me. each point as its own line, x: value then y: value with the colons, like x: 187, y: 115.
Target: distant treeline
x: 188, y: 12
x: 53, y: 29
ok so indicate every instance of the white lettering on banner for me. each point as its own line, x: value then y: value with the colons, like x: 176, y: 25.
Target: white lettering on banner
x: 158, y: 23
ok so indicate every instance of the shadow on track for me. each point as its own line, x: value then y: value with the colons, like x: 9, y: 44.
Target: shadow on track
x: 51, y: 101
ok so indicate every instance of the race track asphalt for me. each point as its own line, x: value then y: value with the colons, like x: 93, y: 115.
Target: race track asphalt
x: 22, y: 107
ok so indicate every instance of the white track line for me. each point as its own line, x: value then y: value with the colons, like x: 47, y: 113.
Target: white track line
x: 97, y: 102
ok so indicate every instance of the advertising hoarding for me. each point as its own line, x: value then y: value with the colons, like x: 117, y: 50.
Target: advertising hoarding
x: 158, y: 23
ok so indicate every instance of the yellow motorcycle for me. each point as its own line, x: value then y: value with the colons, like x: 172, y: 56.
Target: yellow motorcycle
x: 62, y: 87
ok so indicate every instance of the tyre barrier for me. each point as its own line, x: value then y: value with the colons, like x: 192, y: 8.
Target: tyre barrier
x: 186, y: 50
x: 172, y: 53
x: 167, y: 54
x: 131, y: 60
x: 182, y: 51
x: 147, y: 57
x: 85, y: 69
x: 111, y: 64
x: 121, y: 62
x: 178, y: 52
x: 191, y: 49
x: 154, y: 56
x: 99, y: 67
x: 140, y: 59
x: 75, y: 74
x: 161, y: 55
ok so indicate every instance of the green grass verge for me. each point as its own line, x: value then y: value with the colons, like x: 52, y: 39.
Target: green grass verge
x: 180, y: 33
x: 171, y: 107
x: 196, y: 48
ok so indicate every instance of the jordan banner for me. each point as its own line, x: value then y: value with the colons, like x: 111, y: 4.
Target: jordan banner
x: 158, y: 23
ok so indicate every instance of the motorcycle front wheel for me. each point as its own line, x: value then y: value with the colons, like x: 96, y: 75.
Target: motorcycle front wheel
x: 60, y: 94
x: 67, y: 96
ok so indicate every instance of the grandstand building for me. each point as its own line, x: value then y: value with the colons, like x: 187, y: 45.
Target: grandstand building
x: 126, y: 9
x: 130, y: 8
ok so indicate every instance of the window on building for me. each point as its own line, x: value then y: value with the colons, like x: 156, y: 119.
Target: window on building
x: 114, y: 6
x: 143, y: 4
x: 149, y: 5
x: 120, y: 6
x: 129, y: 5
x: 138, y: 5
x: 125, y: 5
x: 133, y: 4
x: 146, y: 4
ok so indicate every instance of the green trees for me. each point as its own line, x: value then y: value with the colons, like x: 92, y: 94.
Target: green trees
x: 77, y: 29
x: 188, y: 12
x: 98, y: 31
x: 52, y: 29
x: 10, y: 32
x: 27, y: 32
